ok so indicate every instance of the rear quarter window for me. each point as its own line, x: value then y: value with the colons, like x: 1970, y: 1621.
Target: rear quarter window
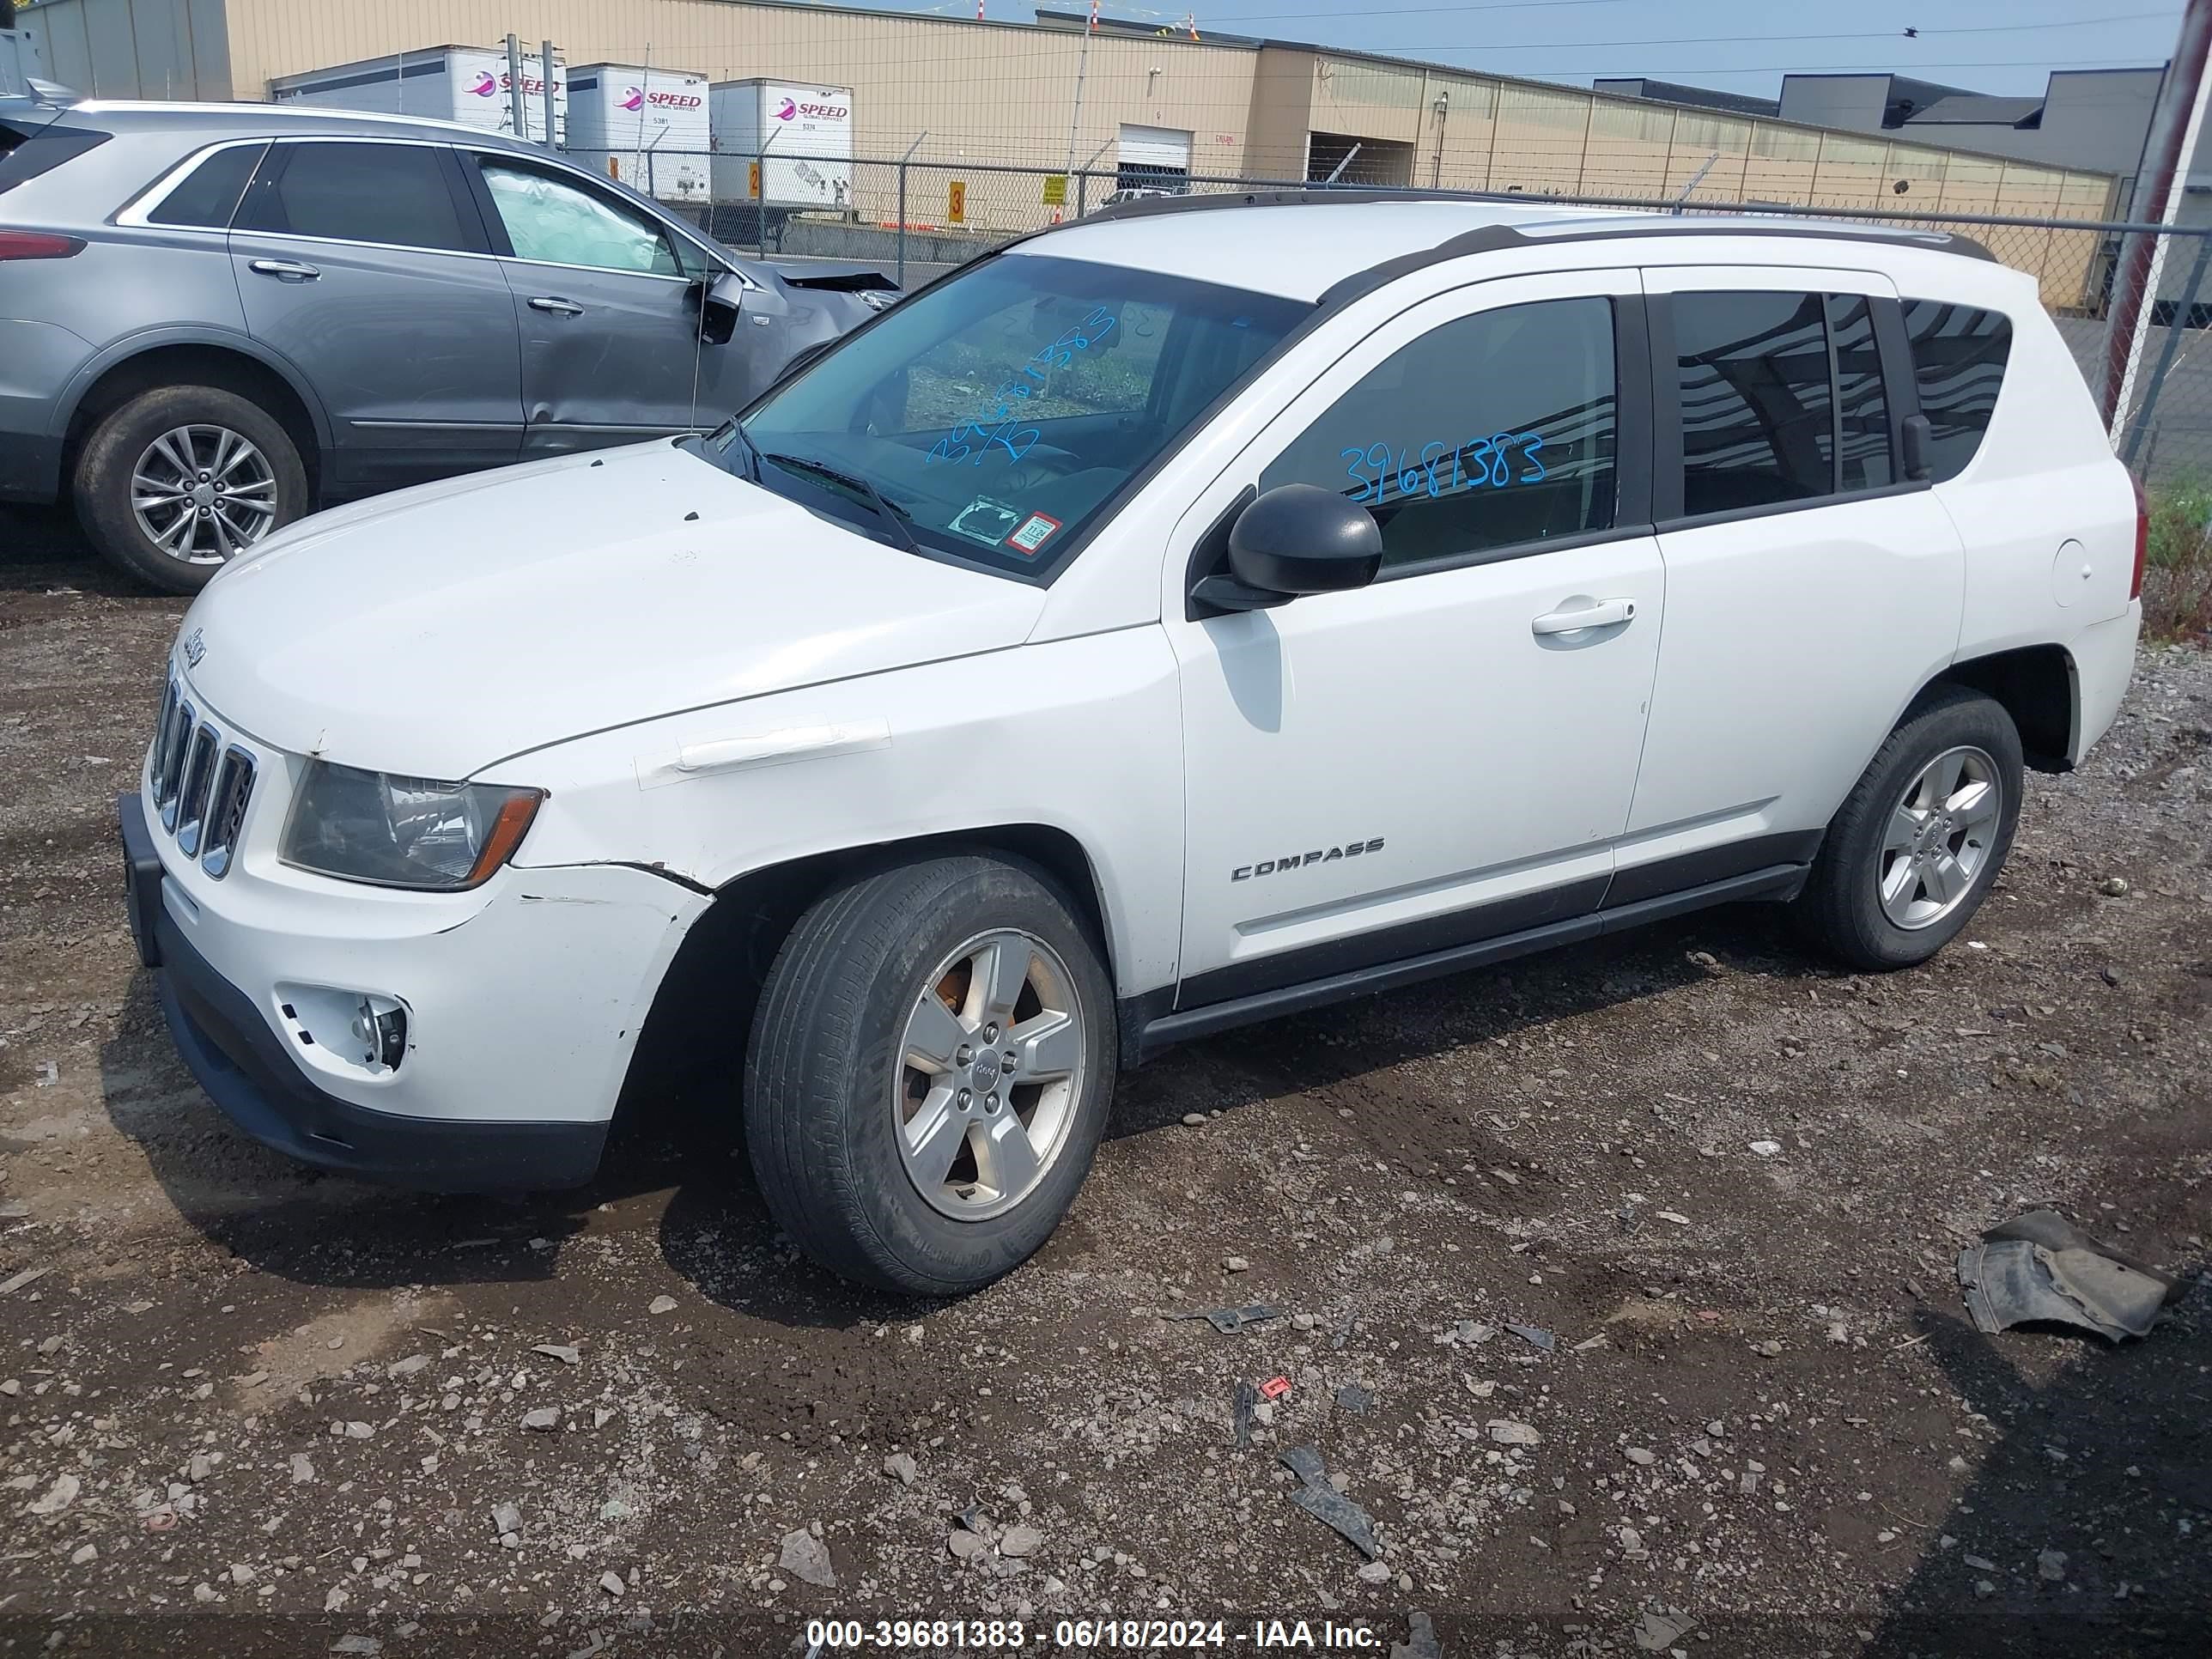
x: 1959, y: 355
x: 27, y: 151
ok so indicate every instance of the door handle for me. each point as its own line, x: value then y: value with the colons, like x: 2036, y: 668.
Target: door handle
x: 285, y: 270
x: 1604, y: 613
x: 558, y: 307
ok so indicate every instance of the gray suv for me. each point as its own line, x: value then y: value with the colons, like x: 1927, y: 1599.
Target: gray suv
x: 215, y: 318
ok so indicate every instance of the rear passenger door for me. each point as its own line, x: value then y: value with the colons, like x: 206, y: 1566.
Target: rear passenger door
x: 1810, y: 590
x: 364, y: 263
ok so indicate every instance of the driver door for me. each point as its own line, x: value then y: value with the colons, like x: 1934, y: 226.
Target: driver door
x: 607, y: 310
x: 1445, y: 755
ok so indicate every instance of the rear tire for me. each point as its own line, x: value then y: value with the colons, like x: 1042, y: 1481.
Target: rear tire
x: 137, y: 472
x: 893, y: 1138
x: 1919, y: 843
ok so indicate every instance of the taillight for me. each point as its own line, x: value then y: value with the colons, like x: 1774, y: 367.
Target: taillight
x: 38, y: 245
x: 2143, y: 539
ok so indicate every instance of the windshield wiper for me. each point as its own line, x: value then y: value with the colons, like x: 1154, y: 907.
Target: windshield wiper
x: 893, y: 516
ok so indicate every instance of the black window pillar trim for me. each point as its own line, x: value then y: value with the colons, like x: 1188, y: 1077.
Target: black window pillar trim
x: 1829, y: 302
x: 1666, y: 374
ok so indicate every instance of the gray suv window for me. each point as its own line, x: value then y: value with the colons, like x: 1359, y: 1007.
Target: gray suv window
x: 396, y: 194
x: 209, y: 195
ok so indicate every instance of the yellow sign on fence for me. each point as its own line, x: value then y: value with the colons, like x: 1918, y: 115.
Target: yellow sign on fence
x: 1056, y: 190
x: 956, y: 202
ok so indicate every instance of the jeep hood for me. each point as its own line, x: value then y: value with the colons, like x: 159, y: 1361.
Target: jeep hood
x: 435, y: 631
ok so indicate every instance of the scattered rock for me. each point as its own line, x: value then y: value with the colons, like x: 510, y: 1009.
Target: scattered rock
x: 566, y: 1353
x: 901, y: 1467
x: 59, y: 1496
x: 303, y: 1469
x: 1356, y: 1399
x: 242, y: 1574
x: 2113, y: 887
x: 661, y: 1304
x: 1194, y: 1120
x: 16, y: 1282
x: 1235, y: 1264
x: 1507, y: 1432
x: 966, y: 1546
x: 1020, y: 1541
x: 1642, y: 1456
x: 1374, y: 1572
x: 408, y: 1366
x: 610, y: 1582
x: 2051, y: 1564
x: 543, y: 1420
x: 1763, y: 1149
x: 1674, y: 1216
x: 83, y: 1554
x: 506, y: 1517
x: 805, y: 1557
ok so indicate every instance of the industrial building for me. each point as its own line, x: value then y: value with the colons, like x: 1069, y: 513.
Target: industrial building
x: 1141, y: 105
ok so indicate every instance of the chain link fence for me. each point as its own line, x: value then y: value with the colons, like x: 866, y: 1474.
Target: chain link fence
x: 919, y: 219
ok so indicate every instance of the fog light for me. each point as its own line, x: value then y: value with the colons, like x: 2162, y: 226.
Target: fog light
x: 382, y: 1033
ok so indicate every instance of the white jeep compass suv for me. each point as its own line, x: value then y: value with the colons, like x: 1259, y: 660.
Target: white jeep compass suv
x: 1193, y: 614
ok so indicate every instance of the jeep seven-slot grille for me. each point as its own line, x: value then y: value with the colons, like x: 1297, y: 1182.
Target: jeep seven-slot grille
x: 201, y: 789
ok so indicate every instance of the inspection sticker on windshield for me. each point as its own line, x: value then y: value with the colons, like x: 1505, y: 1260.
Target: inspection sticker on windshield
x: 1036, y: 530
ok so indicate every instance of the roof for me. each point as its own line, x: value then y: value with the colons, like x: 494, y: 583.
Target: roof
x: 1975, y: 109
x: 1295, y: 243
x: 245, y: 121
x: 1681, y: 92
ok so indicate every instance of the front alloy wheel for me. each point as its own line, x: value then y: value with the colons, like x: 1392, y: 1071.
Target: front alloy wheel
x: 931, y: 1064
x: 990, y: 1071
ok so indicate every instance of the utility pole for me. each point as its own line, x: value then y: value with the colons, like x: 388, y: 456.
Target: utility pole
x: 2176, y: 124
x: 546, y: 84
x: 518, y: 103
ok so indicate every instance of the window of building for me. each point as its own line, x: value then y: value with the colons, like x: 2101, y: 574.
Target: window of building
x: 1493, y: 430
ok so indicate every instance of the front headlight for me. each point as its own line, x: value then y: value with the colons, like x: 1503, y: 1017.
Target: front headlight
x: 404, y: 832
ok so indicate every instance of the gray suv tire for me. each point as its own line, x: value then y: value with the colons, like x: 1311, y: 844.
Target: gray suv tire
x: 177, y: 482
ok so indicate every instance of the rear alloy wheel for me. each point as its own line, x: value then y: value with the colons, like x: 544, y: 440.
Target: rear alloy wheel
x: 1917, y: 843
x: 930, y: 1064
x: 178, y: 482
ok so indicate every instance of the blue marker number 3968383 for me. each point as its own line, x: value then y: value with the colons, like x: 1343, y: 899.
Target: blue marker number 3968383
x: 1381, y: 474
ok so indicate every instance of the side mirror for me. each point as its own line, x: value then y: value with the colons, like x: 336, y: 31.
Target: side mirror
x: 1915, y: 435
x: 1295, y: 539
x: 719, y: 301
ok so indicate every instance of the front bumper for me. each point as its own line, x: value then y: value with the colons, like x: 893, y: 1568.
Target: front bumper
x: 238, y: 1055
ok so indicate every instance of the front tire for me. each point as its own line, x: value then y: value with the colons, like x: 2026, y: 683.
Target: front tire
x: 1919, y: 843
x: 929, y: 1073
x: 177, y: 482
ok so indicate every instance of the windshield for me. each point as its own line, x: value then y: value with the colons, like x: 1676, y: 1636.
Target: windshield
x: 995, y: 414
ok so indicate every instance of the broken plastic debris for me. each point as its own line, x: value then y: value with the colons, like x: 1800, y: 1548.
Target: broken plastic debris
x: 1420, y: 1641
x: 1247, y: 1398
x: 1535, y: 1335
x: 1229, y: 1321
x: 1275, y: 1388
x: 1657, y: 1632
x: 2041, y: 1268
x: 1356, y: 1399
x: 1324, y: 1504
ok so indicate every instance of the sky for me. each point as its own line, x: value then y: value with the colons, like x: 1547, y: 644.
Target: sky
x: 1737, y: 46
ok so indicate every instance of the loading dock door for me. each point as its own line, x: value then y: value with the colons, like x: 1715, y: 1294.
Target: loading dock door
x: 1156, y: 158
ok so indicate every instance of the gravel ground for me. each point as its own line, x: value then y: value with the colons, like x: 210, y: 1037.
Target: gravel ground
x: 250, y: 1408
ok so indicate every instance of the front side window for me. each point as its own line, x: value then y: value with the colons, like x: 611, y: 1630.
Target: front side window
x: 1958, y: 361
x: 1780, y: 397
x: 1494, y: 431
x: 392, y: 194
x: 556, y: 222
x: 991, y: 417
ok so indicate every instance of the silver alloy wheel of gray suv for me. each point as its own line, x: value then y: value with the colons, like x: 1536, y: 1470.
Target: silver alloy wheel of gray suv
x: 218, y: 318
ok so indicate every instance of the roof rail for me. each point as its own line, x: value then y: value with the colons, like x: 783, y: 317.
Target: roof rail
x: 1656, y: 219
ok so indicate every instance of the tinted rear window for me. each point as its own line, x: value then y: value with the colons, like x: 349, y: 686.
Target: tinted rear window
x: 1958, y: 361
x: 209, y: 194
x: 395, y: 194
x: 27, y: 151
